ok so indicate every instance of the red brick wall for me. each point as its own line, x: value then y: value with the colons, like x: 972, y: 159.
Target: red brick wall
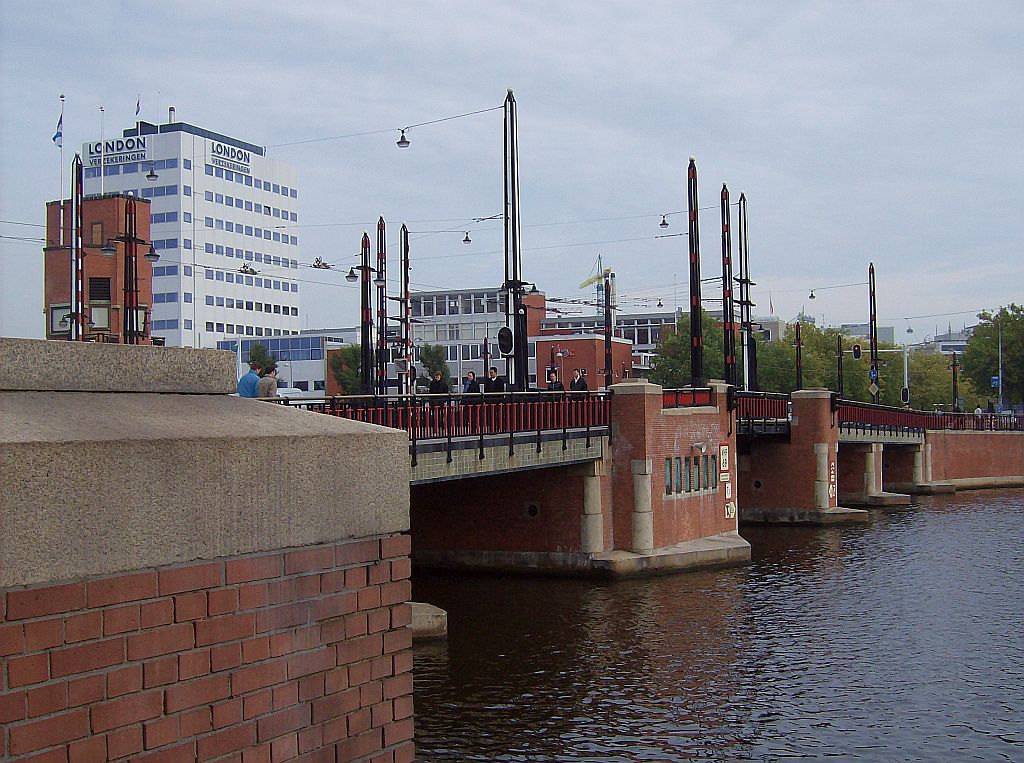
x: 588, y: 353
x: 491, y: 513
x: 782, y: 472
x: 959, y: 455
x: 109, y: 212
x: 298, y: 655
x: 644, y: 431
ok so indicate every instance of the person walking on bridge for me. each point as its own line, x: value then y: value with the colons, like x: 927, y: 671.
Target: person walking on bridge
x: 248, y: 385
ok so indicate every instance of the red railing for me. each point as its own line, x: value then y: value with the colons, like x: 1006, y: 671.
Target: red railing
x: 762, y: 405
x: 687, y: 397
x: 440, y: 417
x: 854, y: 415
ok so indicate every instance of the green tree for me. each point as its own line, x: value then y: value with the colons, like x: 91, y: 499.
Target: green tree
x: 931, y: 383
x: 345, y: 368
x: 981, y: 359
x: 671, y: 367
x: 432, y: 359
x: 260, y: 354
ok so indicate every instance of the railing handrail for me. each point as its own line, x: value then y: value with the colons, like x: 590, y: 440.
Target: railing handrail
x: 750, y: 394
x: 929, y: 420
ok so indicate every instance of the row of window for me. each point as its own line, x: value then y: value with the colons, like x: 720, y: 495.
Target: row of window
x: 263, y: 283
x: 248, y: 254
x: 248, y: 304
x: 165, y: 217
x: 169, y: 296
x: 238, y: 203
x: 455, y: 304
x: 238, y: 328
x: 164, y: 270
x: 277, y: 345
x: 159, y: 244
x: 691, y: 475
x: 171, y: 324
x: 430, y: 332
x: 249, y: 180
x: 248, y: 230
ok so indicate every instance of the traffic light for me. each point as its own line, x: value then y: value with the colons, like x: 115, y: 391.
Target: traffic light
x: 505, y: 342
x: 856, y: 352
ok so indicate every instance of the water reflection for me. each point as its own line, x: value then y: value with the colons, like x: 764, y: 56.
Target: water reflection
x: 896, y: 640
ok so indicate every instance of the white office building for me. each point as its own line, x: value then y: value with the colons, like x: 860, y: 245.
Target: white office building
x: 224, y: 222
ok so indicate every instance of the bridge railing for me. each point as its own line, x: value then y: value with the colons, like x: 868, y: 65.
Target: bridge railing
x: 762, y: 412
x: 686, y: 397
x: 865, y: 416
x: 442, y: 417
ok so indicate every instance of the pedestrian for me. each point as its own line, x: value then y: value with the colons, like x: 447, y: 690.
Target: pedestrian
x: 268, y: 384
x: 579, y: 381
x: 471, y: 385
x: 438, y: 386
x: 249, y: 383
x: 553, y: 384
x: 492, y: 383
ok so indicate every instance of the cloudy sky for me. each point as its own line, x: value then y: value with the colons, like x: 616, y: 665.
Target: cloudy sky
x: 885, y: 132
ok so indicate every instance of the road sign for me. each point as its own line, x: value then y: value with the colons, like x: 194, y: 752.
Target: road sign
x: 873, y: 374
x: 873, y: 388
x: 995, y: 381
x: 856, y: 352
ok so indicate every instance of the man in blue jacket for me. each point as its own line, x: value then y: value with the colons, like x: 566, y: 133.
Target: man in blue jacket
x: 248, y: 385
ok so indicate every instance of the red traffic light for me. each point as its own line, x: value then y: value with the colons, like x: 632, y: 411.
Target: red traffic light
x: 856, y: 352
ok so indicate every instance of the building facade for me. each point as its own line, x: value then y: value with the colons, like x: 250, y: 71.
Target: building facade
x: 104, y: 228
x: 223, y: 219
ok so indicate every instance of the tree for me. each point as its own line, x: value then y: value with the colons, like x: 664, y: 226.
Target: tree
x: 345, y: 368
x: 671, y: 367
x: 981, y: 359
x: 259, y: 354
x: 432, y: 359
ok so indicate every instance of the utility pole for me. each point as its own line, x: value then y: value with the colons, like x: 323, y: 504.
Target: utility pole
x: 955, y: 367
x: 77, y: 253
x: 608, y: 327
x: 839, y: 363
x: 696, y: 329
x: 746, y: 322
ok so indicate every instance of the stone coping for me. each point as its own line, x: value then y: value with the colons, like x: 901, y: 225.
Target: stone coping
x: 102, y: 483
x: 50, y: 365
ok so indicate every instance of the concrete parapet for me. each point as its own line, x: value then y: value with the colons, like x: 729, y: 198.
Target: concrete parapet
x: 46, y: 365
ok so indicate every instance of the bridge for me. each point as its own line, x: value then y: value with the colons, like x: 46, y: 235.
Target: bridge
x: 807, y: 456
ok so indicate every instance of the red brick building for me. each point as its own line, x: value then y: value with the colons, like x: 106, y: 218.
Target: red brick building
x: 103, y: 221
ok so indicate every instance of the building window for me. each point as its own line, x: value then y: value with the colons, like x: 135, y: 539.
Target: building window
x: 668, y: 476
x: 714, y: 472
x: 704, y: 468
x: 679, y: 476
x: 188, y: 324
x: 209, y: 326
x: 99, y: 314
x: 186, y: 164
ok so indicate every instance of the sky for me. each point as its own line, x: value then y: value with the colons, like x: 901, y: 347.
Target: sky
x: 860, y: 132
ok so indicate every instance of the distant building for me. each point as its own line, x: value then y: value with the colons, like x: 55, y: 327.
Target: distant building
x: 948, y: 343
x: 886, y: 334
x: 224, y: 219
x: 103, y: 222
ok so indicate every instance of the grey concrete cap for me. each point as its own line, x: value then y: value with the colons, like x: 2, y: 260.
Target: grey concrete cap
x: 94, y: 484
x: 48, y: 365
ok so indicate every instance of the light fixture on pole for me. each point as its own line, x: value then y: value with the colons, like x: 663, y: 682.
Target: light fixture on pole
x: 660, y: 304
x: 402, y: 142
x: 351, y: 277
x: 811, y: 295
x: 108, y: 249
x: 319, y: 264
x: 467, y: 239
x: 151, y: 255
x: 151, y: 175
x: 663, y: 223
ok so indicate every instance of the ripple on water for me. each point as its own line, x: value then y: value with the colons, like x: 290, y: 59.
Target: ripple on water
x: 899, y: 640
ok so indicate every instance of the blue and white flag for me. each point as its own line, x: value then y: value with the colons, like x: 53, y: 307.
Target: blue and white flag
x: 138, y: 106
x: 58, y: 137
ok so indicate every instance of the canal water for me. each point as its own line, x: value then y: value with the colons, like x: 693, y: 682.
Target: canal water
x: 902, y: 640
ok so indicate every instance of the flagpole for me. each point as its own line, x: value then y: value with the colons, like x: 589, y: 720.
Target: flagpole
x: 102, y: 151
x: 60, y: 196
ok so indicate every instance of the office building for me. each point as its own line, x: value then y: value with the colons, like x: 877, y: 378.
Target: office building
x: 223, y: 219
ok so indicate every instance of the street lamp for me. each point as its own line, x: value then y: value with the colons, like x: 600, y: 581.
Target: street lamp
x: 151, y: 175
x: 402, y: 142
x: 663, y: 223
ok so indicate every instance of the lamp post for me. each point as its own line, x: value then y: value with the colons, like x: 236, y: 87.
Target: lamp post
x: 839, y: 363
x: 873, y: 333
x: 514, y: 286
x: 382, y: 309
x: 799, y: 359
x: 77, y: 253
x: 133, y: 332
x: 954, y: 366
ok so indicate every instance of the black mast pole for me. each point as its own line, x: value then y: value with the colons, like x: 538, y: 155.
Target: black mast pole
x: 696, y: 331
x: 382, y: 309
x: 728, y: 311
x: 839, y: 363
x: 607, y: 333
x: 873, y: 331
x: 799, y: 358
x: 365, y: 317
x: 408, y: 378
